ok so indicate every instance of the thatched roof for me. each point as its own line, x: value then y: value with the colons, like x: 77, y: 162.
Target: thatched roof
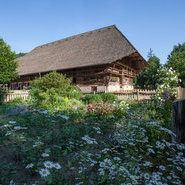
x: 96, y: 47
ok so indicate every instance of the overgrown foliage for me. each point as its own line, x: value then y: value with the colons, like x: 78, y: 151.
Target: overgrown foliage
x: 53, y: 81
x: 92, y: 98
x: 44, y: 147
x: 8, y: 64
x: 148, y: 78
x: 20, y: 55
x: 54, y: 92
x: 176, y: 60
x: 109, y: 97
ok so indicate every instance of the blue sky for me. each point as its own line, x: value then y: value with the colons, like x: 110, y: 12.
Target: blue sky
x: 156, y: 24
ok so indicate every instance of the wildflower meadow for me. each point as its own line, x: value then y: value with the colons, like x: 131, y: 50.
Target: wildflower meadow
x: 116, y: 142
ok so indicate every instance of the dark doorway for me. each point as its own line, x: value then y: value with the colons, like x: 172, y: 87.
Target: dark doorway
x: 74, y: 80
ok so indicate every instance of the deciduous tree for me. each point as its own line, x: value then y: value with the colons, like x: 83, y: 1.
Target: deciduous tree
x: 148, y: 78
x: 8, y: 64
x: 176, y: 60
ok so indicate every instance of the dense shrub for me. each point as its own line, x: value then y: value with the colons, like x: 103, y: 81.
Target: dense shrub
x: 92, y: 98
x: 73, y: 92
x: 55, y: 81
x: 106, y: 110
x: 17, y: 101
x: 2, y: 95
x: 53, y: 91
x: 109, y: 97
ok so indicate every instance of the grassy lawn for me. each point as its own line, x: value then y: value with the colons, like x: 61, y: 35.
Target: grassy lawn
x: 81, y: 146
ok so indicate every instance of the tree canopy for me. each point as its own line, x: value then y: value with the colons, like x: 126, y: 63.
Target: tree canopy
x: 20, y: 55
x: 8, y: 64
x: 176, y: 60
x: 148, y: 78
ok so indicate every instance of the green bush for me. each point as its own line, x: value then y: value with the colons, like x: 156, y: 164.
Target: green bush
x: 55, y: 81
x: 16, y: 101
x: 3, y: 94
x: 73, y: 92
x: 92, y: 98
x: 109, y: 97
x: 54, y: 91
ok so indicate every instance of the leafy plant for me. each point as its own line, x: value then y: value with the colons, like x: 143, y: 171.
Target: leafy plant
x: 17, y: 101
x: 73, y: 92
x: 8, y: 64
x: 55, y: 81
x: 109, y: 97
x: 92, y: 98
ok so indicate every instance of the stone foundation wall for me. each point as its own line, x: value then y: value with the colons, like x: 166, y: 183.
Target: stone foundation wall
x: 88, y: 88
x: 113, y: 86
x: 127, y: 87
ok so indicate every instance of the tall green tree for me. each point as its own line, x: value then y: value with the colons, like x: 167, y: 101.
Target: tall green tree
x: 176, y: 60
x: 148, y: 78
x: 8, y: 64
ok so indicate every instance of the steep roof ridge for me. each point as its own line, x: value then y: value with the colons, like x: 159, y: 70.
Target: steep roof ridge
x: 129, y: 42
x: 75, y: 36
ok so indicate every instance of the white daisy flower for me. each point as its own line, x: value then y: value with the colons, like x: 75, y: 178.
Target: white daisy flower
x: 146, y: 176
x: 45, y: 155
x: 48, y: 164
x: 57, y: 166
x: 112, y: 172
x: 179, y: 168
x: 117, y: 159
x: 30, y: 165
x: 107, y: 160
x: 113, y: 167
x: 7, y: 126
x: 44, y: 172
x: 12, y: 122
x: 90, y: 142
x: 132, y: 177
x: 162, y: 167
x: 18, y: 128
x: 156, y: 177
x: 102, y: 172
x: 65, y: 117
x: 8, y: 133
x: 102, y: 164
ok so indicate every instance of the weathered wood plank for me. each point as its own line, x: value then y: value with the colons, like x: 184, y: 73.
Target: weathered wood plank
x: 178, y: 119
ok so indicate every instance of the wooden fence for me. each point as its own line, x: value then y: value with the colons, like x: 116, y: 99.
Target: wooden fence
x: 11, y: 95
x: 140, y: 94
x: 135, y: 94
x: 180, y: 93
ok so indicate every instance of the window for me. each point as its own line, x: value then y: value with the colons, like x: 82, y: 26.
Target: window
x: 93, y: 89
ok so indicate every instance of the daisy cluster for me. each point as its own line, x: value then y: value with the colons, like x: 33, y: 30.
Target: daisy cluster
x: 48, y: 165
x: 41, y: 111
x: 89, y: 140
x: 137, y: 158
x: 11, y: 127
x: 109, y: 166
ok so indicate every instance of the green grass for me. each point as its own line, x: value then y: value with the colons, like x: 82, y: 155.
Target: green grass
x: 5, y: 109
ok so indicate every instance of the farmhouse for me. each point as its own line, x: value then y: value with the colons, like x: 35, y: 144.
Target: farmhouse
x: 102, y: 60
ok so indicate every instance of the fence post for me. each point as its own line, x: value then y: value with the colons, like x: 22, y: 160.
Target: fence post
x: 137, y: 95
x: 178, y: 119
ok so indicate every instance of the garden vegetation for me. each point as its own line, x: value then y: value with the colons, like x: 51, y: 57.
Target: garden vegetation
x: 100, y: 140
